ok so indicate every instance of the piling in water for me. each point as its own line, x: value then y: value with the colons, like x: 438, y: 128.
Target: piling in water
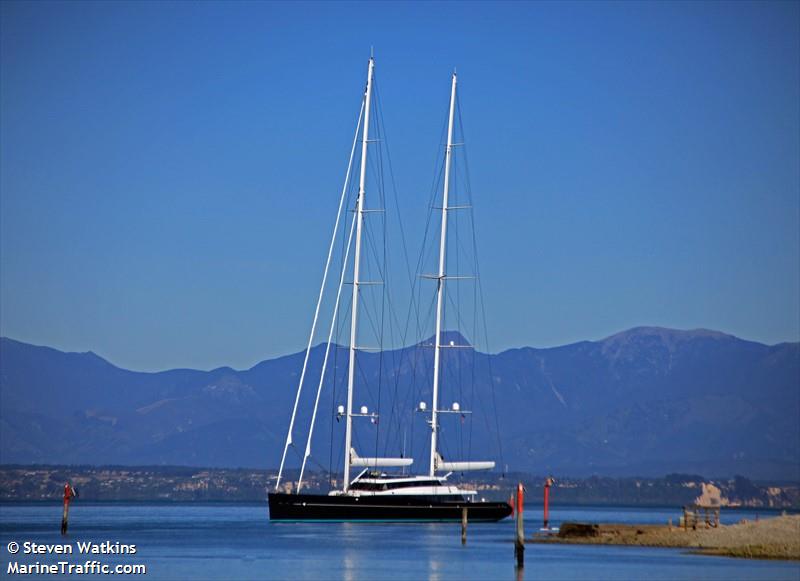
x: 69, y: 494
x: 519, y: 543
x: 65, y: 518
x: 547, y: 484
x: 464, y: 525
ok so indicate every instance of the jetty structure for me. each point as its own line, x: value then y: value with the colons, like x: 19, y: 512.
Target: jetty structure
x: 373, y: 494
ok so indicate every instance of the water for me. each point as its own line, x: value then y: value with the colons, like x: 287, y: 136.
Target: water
x: 238, y: 542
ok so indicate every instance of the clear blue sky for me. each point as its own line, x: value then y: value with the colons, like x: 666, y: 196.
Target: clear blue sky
x: 170, y: 172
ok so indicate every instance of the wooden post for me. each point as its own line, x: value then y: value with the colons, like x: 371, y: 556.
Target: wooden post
x: 685, y: 519
x: 463, y: 525
x: 65, y: 518
x: 547, y: 484
x: 69, y: 494
x: 519, y: 543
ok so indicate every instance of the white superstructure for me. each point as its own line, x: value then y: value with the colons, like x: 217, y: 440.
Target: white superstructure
x: 370, y: 483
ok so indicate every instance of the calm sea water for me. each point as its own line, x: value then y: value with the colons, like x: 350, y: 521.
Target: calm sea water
x: 238, y: 542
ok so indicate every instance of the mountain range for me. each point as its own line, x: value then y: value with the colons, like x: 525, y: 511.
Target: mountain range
x: 647, y: 401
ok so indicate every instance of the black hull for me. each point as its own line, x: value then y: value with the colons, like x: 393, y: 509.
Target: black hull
x: 320, y: 508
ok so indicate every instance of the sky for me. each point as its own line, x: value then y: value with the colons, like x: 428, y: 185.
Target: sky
x: 169, y: 172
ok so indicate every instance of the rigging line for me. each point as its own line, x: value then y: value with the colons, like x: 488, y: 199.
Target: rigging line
x: 412, y: 391
x: 486, y: 338
x: 429, y: 315
x: 438, y: 163
x: 319, y: 299
x: 473, y: 361
x: 385, y: 271
x: 417, y: 354
x: 295, y: 450
x: 342, y: 440
x: 395, y: 365
x: 364, y: 381
x: 421, y: 260
x: 355, y: 442
x: 380, y: 357
x: 327, y: 352
x: 381, y: 136
x: 342, y: 325
x: 331, y: 446
x: 417, y: 290
x: 491, y: 375
x: 382, y: 274
x: 438, y: 172
x: 389, y: 303
x: 456, y: 222
x: 396, y: 414
x: 404, y: 408
x: 398, y: 366
x: 482, y: 406
x: 464, y: 148
x: 393, y: 402
x: 480, y: 288
x: 342, y: 354
x: 416, y: 350
x: 460, y: 321
x: 341, y: 382
x: 396, y: 198
x: 362, y: 374
x: 333, y: 409
x: 319, y: 465
x: 411, y: 278
x: 372, y: 323
x: 386, y: 302
x: 337, y: 348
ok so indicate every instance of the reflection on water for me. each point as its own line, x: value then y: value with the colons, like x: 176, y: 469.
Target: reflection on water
x: 349, y: 565
x: 237, y: 541
x: 520, y: 573
x: 433, y: 568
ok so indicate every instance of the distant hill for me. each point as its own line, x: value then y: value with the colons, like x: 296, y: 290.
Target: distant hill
x: 646, y: 401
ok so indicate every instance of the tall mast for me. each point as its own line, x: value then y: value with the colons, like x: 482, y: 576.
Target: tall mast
x: 440, y: 280
x: 357, y: 262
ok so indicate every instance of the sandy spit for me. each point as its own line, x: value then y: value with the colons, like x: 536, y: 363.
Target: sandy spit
x: 773, y: 538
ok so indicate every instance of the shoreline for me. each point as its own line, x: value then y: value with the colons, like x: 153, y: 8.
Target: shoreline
x: 764, y: 512
x: 776, y: 538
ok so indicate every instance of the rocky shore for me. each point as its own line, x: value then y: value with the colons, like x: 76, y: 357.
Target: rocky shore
x: 773, y: 538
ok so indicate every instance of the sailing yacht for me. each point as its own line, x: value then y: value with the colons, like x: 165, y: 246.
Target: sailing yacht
x: 374, y: 494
